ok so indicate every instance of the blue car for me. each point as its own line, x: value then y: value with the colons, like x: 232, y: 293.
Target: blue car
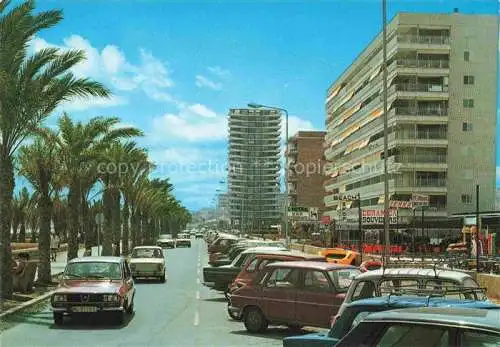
x: 356, y: 311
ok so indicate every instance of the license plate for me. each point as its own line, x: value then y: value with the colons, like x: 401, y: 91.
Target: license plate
x: 85, y: 309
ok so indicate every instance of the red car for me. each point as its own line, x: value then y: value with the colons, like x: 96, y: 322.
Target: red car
x: 294, y: 293
x: 92, y: 285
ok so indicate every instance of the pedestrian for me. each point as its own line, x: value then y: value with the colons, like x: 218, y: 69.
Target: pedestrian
x: 54, y: 246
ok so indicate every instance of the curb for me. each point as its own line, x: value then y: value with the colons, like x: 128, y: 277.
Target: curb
x: 28, y: 303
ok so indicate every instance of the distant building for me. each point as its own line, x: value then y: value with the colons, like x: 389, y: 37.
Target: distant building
x: 442, y: 111
x: 254, y: 167
x: 307, y: 163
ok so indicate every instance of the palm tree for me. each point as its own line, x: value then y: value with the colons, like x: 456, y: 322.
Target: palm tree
x: 80, y: 148
x: 39, y: 165
x: 31, y: 88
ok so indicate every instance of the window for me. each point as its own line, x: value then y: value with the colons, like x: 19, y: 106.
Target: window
x: 466, y: 55
x: 364, y: 290
x: 414, y: 335
x: 475, y: 339
x: 342, y: 279
x: 282, y: 278
x: 468, y: 79
x: 468, y: 103
x: 468, y: 174
x: 466, y: 199
x: 316, y: 281
x: 359, y: 317
x: 467, y: 127
x: 253, y: 264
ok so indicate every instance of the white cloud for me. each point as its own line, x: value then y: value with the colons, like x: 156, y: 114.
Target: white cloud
x: 202, y: 110
x: 84, y: 104
x: 202, y: 81
x: 294, y: 125
x: 175, y: 126
x: 111, y: 67
x: 218, y: 71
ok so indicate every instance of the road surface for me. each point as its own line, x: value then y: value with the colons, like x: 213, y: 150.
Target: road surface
x: 180, y: 312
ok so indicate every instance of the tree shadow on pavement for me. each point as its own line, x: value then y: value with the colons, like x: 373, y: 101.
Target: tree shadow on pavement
x: 276, y: 333
x: 91, y: 322
x: 221, y: 299
x: 35, y: 318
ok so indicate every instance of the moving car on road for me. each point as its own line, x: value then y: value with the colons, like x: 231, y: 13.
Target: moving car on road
x: 147, y: 262
x: 293, y: 293
x: 427, y: 326
x: 165, y: 241
x: 94, y: 285
x: 183, y: 240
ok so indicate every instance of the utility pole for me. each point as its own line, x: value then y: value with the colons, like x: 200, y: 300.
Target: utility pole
x: 360, y: 227
x: 478, y: 227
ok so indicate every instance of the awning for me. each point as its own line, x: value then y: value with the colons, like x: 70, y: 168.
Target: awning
x: 364, y: 143
x: 375, y: 72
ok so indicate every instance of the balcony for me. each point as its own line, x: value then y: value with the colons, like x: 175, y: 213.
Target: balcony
x: 421, y: 111
x: 421, y: 87
x: 423, y: 64
x: 423, y: 135
x: 424, y: 39
x: 421, y: 185
x: 421, y: 158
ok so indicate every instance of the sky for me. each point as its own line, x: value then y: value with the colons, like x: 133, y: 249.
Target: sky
x: 176, y: 67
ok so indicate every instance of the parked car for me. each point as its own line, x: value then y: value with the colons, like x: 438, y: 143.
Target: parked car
x: 198, y: 235
x: 369, y: 283
x: 222, y: 243
x: 294, y: 293
x: 220, y: 277
x: 370, y: 265
x: 225, y: 258
x: 165, y: 241
x: 341, y: 256
x: 427, y: 326
x: 94, y: 285
x: 183, y: 240
x: 357, y: 310
x: 147, y: 262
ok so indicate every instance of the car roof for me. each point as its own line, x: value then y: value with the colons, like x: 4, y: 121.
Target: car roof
x: 147, y: 247
x: 466, y: 317
x: 97, y: 259
x: 413, y: 273
x: 316, y: 265
x: 420, y: 301
x: 263, y: 250
x: 294, y: 253
x: 227, y: 236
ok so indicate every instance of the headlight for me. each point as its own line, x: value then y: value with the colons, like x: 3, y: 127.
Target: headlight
x: 111, y: 298
x: 59, y: 298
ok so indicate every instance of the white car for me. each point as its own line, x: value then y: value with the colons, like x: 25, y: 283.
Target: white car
x: 147, y: 262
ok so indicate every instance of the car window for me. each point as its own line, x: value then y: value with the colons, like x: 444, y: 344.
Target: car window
x: 414, y: 335
x: 342, y: 278
x: 264, y: 262
x: 316, y: 281
x: 359, y: 317
x: 363, y: 290
x: 282, y: 278
x: 394, y: 285
x: 335, y: 256
x: 94, y: 270
x: 252, y: 266
x: 479, y: 339
x: 147, y: 253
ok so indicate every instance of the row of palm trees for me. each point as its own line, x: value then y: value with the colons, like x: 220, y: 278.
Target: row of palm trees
x: 77, y: 170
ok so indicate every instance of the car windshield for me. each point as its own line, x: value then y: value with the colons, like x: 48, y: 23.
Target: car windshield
x: 93, y: 270
x: 147, y: 253
x: 342, y: 278
x: 165, y: 236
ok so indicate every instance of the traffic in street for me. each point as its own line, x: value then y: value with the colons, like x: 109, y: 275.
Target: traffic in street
x: 179, y: 312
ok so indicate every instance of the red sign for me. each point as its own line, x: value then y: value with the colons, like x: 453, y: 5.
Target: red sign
x: 325, y: 219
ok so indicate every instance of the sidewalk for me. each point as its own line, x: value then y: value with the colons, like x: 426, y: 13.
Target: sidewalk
x: 58, y: 266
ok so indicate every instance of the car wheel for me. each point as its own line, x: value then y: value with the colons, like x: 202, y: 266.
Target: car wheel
x: 234, y: 316
x: 58, y: 318
x: 120, y: 317
x: 254, y: 320
x: 163, y: 279
x: 130, y: 308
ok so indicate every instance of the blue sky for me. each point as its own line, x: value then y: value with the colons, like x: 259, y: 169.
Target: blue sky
x: 176, y: 67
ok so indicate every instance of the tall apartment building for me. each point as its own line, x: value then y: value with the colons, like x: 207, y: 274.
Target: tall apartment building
x: 305, y: 175
x: 254, y: 167
x: 442, y: 97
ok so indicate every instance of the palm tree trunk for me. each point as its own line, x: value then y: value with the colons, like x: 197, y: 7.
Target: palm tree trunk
x: 15, y: 227
x: 87, y: 228
x: 134, y: 224
x: 6, y: 191
x: 45, y: 210
x: 22, y: 231
x: 107, y: 237
x: 74, y: 220
x: 126, y: 216
x: 117, y: 225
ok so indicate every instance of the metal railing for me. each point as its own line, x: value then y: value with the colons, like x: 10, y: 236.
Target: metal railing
x: 424, y: 39
x: 421, y: 87
x: 424, y: 64
x: 421, y: 111
x: 421, y: 158
x: 430, y: 182
x: 423, y: 135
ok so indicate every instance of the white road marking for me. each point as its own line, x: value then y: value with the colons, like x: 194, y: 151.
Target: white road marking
x: 197, y: 281
x: 197, y: 295
x: 196, y: 318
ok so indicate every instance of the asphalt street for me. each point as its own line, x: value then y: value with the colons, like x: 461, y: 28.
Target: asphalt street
x: 180, y: 312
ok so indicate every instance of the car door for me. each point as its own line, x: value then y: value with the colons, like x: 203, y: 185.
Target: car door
x: 129, y: 282
x: 278, y: 295
x: 315, y: 299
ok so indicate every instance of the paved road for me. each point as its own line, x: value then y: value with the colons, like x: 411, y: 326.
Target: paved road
x: 178, y: 313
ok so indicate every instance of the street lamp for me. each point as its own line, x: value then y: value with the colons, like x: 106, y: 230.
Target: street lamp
x: 254, y: 105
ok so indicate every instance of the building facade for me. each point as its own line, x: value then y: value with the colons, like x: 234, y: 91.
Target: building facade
x: 442, y: 96
x: 306, y: 169
x: 254, y: 167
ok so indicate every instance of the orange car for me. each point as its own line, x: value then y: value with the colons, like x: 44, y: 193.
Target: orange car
x: 341, y: 256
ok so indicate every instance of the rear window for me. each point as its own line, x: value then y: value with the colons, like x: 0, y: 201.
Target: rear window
x: 335, y: 256
x: 342, y: 278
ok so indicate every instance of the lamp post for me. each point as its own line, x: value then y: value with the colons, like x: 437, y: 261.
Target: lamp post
x: 254, y: 105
